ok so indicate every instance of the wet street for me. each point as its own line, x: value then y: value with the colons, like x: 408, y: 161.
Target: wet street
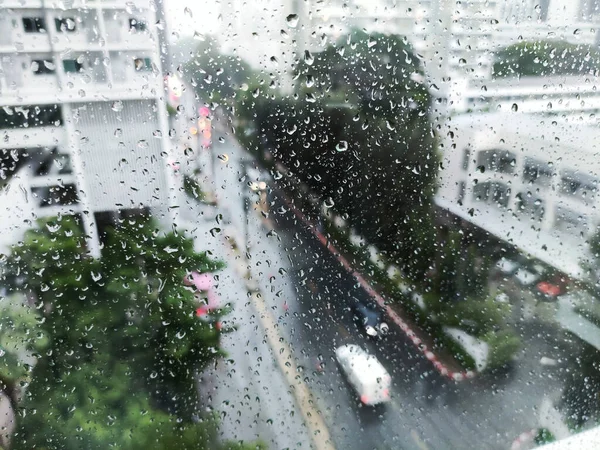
x: 307, y: 291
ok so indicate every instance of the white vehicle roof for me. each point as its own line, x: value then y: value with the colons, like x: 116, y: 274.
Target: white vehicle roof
x: 366, y: 366
x: 507, y: 265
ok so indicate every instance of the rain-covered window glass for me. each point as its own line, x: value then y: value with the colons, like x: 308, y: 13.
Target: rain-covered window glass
x: 34, y: 24
x: 286, y: 224
x: 65, y: 24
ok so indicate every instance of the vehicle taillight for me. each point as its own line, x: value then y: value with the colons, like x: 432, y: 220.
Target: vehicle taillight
x: 364, y: 399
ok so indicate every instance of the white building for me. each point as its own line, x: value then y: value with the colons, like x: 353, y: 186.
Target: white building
x: 528, y: 180
x: 83, y: 109
x: 571, y: 97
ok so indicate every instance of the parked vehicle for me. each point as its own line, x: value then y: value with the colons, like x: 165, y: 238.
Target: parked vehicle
x: 507, y: 266
x: 369, y: 317
x: 550, y: 289
x: 365, y: 373
x: 530, y: 275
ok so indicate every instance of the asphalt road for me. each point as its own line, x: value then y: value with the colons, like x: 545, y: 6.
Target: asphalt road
x: 308, y: 290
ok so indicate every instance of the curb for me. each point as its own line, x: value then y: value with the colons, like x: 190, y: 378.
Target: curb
x: 437, y: 364
x: 522, y: 438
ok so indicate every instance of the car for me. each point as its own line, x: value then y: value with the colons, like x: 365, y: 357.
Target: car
x: 369, y: 317
x: 507, y: 266
x: 529, y: 275
x: 365, y: 373
x: 502, y: 297
x: 552, y: 288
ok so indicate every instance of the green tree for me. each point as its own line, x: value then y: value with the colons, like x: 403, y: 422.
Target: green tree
x: 546, y: 58
x: 124, y: 342
x: 581, y: 396
x: 357, y: 131
x: 215, y: 75
x: 21, y: 338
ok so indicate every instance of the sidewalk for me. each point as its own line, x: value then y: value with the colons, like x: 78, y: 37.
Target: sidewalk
x: 255, y: 389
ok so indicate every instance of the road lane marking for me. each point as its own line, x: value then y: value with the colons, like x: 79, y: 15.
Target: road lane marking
x: 283, y: 354
x: 418, y: 440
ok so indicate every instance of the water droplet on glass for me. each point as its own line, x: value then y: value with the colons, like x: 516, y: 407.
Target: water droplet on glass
x: 514, y: 107
x: 310, y: 81
x: 224, y: 157
x: 142, y: 143
x: 328, y: 202
x: 188, y: 12
x: 117, y: 106
x: 292, y: 20
x: 342, y: 146
x: 118, y: 133
x: 52, y: 227
x: 308, y: 58
x: 96, y: 276
x: 215, y: 231
x: 292, y: 130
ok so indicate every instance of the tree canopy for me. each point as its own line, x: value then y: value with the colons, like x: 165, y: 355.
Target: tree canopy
x: 546, y: 58
x: 357, y: 131
x: 124, y: 342
x: 213, y: 74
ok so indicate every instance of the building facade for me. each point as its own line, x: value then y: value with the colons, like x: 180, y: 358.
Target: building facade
x: 84, y: 114
x: 529, y: 180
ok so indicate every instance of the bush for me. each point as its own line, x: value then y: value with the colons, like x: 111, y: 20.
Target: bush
x: 544, y: 436
x: 503, y: 346
x: 476, y: 317
x: 192, y: 188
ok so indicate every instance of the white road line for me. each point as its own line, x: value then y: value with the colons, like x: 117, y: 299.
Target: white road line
x: 312, y: 417
x: 418, y: 440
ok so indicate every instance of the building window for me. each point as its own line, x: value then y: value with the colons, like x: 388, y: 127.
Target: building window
x: 570, y: 221
x: 142, y: 64
x: 501, y: 194
x: 462, y: 187
x: 49, y: 162
x: 34, y: 24
x: 578, y: 185
x: 494, y: 193
x: 466, y: 158
x: 137, y: 25
x: 30, y: 116
x: 530, y: 206
x: 496, y: 160
x: 42, y: 66
x: 56, y: 195
x: 72, y: 66
x: 65, y: 24
x: 537, y: 172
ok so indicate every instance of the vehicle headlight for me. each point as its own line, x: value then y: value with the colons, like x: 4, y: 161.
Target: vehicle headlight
x: 371, y: 331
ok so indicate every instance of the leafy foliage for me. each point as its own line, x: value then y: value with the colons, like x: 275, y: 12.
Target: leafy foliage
x: 208, y: 67
x: 546, y: 58
x: 21, y: 337
x: 580, y: 395
x: 503, y: 345
x: 357, y: 132
x: 544, y: 436
x: 124, y: 342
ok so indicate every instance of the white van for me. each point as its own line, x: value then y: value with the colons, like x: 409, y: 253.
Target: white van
x: 365, y: 373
